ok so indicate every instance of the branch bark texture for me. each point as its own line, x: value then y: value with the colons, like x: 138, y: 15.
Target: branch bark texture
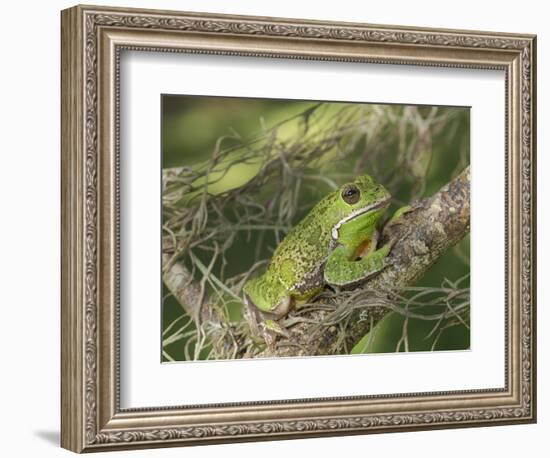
x: 189, y: 293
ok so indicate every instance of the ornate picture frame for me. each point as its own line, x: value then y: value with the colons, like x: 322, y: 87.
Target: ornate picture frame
x: 93, y: 39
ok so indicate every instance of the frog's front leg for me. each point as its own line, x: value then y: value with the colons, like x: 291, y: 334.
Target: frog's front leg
x: 342, y: 268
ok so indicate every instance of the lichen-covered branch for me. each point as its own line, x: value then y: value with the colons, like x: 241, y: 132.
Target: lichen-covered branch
x: 422, y: 235
x: 189, y: 293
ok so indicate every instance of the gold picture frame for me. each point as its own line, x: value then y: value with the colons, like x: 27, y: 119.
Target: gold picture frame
x: 92, y: 40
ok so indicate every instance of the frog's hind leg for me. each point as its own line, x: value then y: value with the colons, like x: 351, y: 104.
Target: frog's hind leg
x: 342, y: 268
x: 267, y: 297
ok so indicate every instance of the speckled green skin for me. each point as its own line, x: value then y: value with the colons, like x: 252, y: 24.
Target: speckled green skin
x: 334, y: 244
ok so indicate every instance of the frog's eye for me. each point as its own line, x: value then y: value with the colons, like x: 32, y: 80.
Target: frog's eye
x: 351, y: 194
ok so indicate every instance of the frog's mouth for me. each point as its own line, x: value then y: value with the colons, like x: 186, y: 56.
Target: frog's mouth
x: 383, y: 204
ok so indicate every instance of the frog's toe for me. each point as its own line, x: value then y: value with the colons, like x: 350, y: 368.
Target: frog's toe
x: 275, y: 327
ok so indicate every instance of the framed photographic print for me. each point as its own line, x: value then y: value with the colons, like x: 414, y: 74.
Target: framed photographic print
x: 278, y: 228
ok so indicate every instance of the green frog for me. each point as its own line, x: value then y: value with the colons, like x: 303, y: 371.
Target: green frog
x: 334, y: 245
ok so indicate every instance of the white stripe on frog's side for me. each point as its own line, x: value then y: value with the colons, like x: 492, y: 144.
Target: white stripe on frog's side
x: 357, y: 213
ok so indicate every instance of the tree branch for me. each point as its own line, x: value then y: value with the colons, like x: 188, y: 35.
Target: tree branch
x: 189, y: 293
x: 421, y: 237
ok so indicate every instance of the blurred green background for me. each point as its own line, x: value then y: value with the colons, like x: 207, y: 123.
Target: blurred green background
x: 413, y: 151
